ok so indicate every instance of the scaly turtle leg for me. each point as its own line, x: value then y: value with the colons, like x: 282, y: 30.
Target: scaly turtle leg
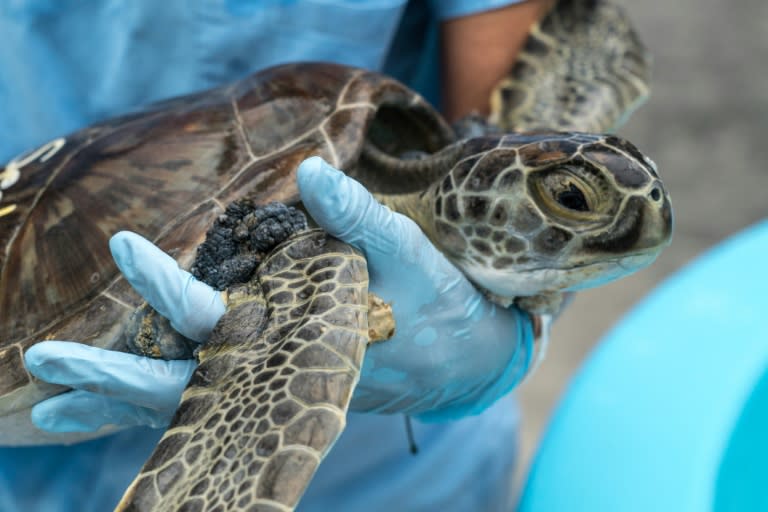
x: 271, y: 393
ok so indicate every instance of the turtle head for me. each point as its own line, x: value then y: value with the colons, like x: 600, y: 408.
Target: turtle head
x: 526, y: 214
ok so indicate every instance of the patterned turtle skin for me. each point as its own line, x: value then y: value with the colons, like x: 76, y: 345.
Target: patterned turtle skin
x: 524, y: 215
x: 270, y: 394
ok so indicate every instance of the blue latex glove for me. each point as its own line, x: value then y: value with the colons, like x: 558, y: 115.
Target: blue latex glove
x: 124, y: 389
x: 454, y: 353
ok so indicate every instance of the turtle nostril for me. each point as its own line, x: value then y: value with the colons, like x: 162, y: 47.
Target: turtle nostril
x: 656, y: 194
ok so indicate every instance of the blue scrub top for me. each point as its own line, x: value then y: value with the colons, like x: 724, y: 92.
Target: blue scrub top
x: 464, y: 465
x: 65, y: 64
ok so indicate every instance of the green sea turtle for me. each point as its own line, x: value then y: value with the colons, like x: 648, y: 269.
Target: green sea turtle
x: 523, y: 215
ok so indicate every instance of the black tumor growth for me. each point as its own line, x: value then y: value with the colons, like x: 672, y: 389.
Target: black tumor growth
x: 241, y: 238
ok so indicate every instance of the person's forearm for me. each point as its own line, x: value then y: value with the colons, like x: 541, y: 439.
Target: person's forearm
x: 478, y: 50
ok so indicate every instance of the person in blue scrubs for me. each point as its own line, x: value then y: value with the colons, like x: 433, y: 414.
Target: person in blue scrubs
x: 64, y: 65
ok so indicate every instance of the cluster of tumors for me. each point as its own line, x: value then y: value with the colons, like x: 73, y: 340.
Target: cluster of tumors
x: 241, y: 238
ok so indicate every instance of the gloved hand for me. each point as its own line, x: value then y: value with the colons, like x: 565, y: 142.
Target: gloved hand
x: 454, y: 353
x: 124, y: 389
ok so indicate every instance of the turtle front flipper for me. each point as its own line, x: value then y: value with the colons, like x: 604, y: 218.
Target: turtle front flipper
x: 270, y: 395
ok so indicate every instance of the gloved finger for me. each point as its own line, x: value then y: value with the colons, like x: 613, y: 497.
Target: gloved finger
x: 152, y: 383
x: 344, y: 208
x: 83, y: 411
x: 192, y: 307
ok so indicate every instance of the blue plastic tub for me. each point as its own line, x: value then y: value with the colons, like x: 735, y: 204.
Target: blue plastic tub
x: 670, y: 413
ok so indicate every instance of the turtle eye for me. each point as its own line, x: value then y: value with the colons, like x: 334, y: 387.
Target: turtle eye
x: 573, y: 199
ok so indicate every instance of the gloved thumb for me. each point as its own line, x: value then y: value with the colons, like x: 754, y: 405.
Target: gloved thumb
x: 345, y: 209
x: 192, y: 306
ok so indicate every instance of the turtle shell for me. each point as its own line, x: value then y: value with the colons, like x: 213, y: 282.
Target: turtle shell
x: 167, y: 172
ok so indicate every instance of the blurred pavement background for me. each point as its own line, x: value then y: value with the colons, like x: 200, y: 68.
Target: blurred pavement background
x: 706, y: 126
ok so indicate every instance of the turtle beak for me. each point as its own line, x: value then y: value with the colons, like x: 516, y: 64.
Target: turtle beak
x: 658, y: 220
x: 644, y: 226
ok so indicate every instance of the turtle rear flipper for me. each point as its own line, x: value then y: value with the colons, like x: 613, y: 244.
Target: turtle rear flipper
x: 583, y: 67
x: 270, y: 395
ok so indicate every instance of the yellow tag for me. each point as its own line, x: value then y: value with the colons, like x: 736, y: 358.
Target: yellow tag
x: 5, y: 210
